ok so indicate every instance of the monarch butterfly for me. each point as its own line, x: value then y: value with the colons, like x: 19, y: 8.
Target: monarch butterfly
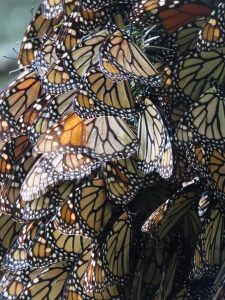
x: 69, y: 6
x: 11, y: 286
x: 215, y: 165
x: 151, y: 135
x: 66, y: 73
x: 170, y: 14
x: 24, y: 240
x: 212, y: 241
x: 66, y: 220
x: 149, y: 270
x: 49, y: 283
x: 85, y: 107
x: 80, y: 22
x: 49, y: 171
x: 86, y: 210
x: 165, y: 167
x: 174, y: 112
x: 38, y: 27
x: 75, y: 134
x: 166, y: 216
x: 109, y: 68
x: 18, y: 95
x: 37, y: 120
x: 16, y: 283
x: 190, y: 75
x: 205, y: 116
x: 11, y: 154
x: 11, y: 188
x: 197, y: 264
x: 85, y: 56
x: 75, y: 280
x: 58, y: 80
x: 130, y: 66
x: 43, y: 206
x: 94, y: 277
x: 123, y: 180
x: 173, y: 278
x: 211, y: 36
x: 117, y: 240
x: 184, y: 13
x: 186, y: 37
x: 9, y: 230
x: 93, y: 267
x: 16, y: 257
x: 31, y: 115
x: 113, y: 97
x: 87, y: 19
x: 75, y: 285
x: 69, y: 37
x: 141, y: 10
x: 199, y: 268
x: 46, y: 55
x: 51, y: 246
x: 69, y: 34
x: 6, y: 162
x: 51, y: 9
x: 41, y: 252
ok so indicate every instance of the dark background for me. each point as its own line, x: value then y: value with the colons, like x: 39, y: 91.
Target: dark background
x: 15, y: 15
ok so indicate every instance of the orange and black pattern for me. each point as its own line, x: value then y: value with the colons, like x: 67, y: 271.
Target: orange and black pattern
x: 112, y: 153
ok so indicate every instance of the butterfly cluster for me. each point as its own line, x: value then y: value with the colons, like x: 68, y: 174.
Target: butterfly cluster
x: 112, y: 153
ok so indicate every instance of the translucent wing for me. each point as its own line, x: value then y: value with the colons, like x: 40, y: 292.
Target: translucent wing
x: 114, y: 97
x: 49, y: 171
x: 48, y: 284
x: 86, y: 211
x: 206, y: 116
x: 103, y: 137
x: 151, y: 135
x: 128, y: 58
x: 123, y: 180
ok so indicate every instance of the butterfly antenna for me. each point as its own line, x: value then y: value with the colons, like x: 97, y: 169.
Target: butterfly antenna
x: 15, y: 51
x: 11, y: 58
x: 32, y: 8
x: 16, y: 70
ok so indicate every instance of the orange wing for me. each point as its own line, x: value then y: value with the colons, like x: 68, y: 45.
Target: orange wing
x: 15, y: 99
x: 38, y: 27
x: 103, y: 137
